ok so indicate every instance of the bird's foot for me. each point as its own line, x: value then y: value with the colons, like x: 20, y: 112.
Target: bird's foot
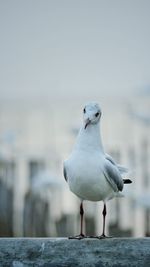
x: 103, y: 236
x: 78, y: 237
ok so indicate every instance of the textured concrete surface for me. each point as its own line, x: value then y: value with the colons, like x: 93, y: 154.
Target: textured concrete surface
x: 61, y: 252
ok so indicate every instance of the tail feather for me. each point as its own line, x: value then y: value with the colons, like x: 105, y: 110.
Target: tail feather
x: 127, y: 181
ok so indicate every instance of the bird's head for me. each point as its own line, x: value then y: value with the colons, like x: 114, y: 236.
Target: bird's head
x: 91, y: 114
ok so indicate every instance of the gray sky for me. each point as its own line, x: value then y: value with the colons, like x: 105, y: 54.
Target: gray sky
x: 69, y: 49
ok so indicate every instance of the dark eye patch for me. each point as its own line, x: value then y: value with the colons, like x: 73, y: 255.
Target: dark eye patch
x: 97, y: 114
x: 84, y: 110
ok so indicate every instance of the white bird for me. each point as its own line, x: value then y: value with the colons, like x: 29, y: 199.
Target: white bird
x: 90, y: 173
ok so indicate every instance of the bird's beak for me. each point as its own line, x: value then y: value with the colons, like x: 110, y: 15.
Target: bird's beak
x: 87, y: 123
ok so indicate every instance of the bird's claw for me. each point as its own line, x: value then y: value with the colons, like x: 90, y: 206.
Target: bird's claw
x: 78, y: 237
x: 103, y: 236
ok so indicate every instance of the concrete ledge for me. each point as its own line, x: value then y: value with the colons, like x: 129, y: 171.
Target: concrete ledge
x: 61, y: 252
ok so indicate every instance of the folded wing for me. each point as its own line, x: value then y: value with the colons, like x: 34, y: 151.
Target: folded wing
x: 113, y: 175
x: 122, y: 169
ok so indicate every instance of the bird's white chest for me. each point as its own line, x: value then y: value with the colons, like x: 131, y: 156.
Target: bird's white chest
x: 86, y: 178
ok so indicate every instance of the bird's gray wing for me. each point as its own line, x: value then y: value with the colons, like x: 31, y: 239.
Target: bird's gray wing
x: 108, y: 157
x: 65, y: 173
x: 121, y: 168
x: 113, y: 175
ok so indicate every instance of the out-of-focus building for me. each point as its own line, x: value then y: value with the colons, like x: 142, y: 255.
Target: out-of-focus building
x: 34, y: 140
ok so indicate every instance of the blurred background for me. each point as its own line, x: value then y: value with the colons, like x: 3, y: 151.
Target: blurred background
x: 54, y: 57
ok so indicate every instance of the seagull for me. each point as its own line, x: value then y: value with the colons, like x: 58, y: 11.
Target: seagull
x: 90, y: 173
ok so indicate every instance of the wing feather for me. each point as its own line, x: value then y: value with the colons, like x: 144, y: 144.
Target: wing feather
x: 122, y: 169
x: 65, y: 173
x: 113, y: 176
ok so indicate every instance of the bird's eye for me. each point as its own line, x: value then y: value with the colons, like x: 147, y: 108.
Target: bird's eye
x: 97, y: 114
x: 84, y: 110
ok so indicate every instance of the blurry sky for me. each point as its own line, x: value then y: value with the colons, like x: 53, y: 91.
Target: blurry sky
x: 67, y: 49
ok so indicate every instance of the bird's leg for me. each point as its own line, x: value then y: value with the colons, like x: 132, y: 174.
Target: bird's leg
x: 81, y: 214
x: 104, y: 220
x: 81, y: 235
x: 104, y: 217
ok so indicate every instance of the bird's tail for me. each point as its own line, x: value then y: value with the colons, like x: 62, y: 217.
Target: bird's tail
x: 127, y: 181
